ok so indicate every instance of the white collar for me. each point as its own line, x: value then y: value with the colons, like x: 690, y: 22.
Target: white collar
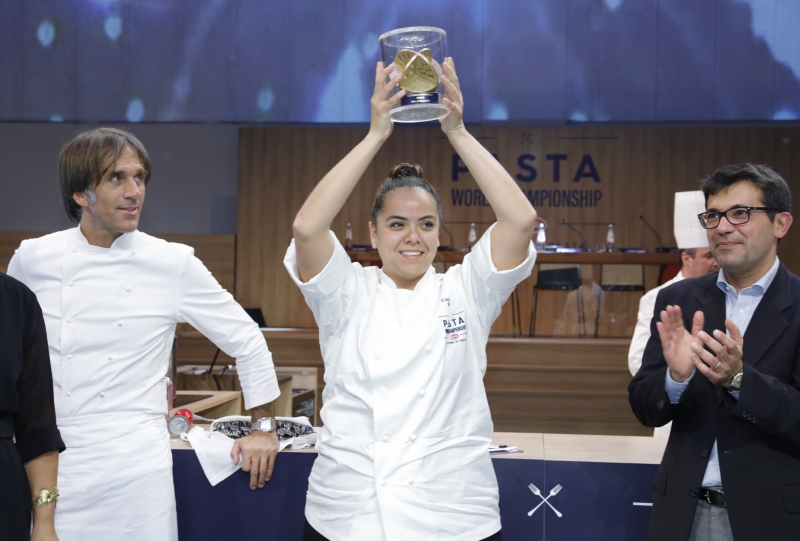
x: 427, y: 278
x: 123, y: 242
x: 761, y: 285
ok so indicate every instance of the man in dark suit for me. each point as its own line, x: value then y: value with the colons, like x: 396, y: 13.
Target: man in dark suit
x: 731, y: 468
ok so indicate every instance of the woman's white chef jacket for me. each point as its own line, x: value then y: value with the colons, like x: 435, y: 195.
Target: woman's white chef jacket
x: 111, y: 315
x: 404, y: 450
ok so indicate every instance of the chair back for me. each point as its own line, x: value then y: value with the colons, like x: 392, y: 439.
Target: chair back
x: 559, y: 279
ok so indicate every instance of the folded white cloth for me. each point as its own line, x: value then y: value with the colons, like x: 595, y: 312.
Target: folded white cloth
x: 214, y: 453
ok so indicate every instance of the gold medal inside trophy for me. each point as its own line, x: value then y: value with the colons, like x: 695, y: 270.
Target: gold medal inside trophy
x: 417, y: 53
x: 419, y: 75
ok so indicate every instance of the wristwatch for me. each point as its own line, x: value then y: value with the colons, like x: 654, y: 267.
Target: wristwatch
x: 265, y: 424
x: 736, y: 382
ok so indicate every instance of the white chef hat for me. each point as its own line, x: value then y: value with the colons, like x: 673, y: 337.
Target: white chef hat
x: 688, y: 231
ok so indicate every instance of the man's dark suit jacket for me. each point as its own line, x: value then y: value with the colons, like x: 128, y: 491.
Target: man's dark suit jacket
x: 758, y: 436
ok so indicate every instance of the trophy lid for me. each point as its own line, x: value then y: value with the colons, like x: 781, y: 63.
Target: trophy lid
x: 410, y: 29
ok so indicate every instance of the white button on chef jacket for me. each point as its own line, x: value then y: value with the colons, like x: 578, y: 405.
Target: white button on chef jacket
x: 118, y: 343
x: 432, y: 339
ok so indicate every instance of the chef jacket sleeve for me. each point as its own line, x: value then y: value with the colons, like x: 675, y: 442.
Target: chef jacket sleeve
x: 329, y: 294
x: 487, y: 287
x: 209, y: 308
x: 641, y: 333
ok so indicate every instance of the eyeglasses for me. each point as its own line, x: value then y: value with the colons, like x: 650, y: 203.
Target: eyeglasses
x: 735, y: 216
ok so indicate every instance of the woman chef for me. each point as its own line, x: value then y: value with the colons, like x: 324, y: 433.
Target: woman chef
x: 404, y: 450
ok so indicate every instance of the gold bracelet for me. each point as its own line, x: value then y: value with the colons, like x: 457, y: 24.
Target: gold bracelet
x: 46, y: 497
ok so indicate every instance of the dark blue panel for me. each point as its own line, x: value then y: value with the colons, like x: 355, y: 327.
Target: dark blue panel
x: 516, y: 498
x: 597, y: 501
x: 744, y: 69
x: 157, y: 89
x: 583, y: 60
x: 231, y: 510
x: 262, y: 67
x: 316, y: 38
x: 628, y: 77
x: 11, y: 56
x: 207, y: 60
x: 49, y: 42
x: 524, y: 60
x: 102, y: 70
x: 685, y: 77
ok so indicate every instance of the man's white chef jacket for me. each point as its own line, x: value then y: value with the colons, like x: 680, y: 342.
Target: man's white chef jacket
x: 641, y: 334
x: 111, y: 315
x: 404, y: 450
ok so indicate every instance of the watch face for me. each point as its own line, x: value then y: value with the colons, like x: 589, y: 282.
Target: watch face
x: 265, y: 424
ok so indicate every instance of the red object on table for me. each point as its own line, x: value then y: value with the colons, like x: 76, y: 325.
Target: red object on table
x: 186, y: 413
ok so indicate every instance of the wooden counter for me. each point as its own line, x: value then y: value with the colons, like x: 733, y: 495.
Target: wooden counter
x: 560, y: 447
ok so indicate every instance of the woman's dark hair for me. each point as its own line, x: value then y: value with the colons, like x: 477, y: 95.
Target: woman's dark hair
x: 774, y: 190
x: 403, y: 175
x: 87, y: 157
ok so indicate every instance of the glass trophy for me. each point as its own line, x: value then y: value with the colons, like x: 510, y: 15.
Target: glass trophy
x: 418, y: 52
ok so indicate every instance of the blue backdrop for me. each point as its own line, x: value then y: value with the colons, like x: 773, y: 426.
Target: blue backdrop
x: 312, y: 61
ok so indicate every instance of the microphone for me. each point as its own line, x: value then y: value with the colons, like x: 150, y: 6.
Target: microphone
x: 452, y: 247
x: 585, y: 240
x: 659, y: 246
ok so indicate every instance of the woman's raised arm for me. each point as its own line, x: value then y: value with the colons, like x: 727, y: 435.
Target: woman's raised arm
x: 516, y: 218
x: 312, y: 241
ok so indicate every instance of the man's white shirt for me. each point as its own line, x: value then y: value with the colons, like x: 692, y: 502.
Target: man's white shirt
x: 111, y: 315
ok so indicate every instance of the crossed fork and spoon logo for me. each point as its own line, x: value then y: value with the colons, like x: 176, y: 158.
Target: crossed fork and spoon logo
x: 555, y: 490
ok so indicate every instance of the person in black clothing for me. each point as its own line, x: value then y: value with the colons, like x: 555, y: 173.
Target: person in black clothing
x: 29, y: 439
x: 723, y: 364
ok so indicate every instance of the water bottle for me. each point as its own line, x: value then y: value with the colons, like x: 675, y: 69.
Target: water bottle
x: 540, y: 238
x: 610, y: 238
x: 472, y: 238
